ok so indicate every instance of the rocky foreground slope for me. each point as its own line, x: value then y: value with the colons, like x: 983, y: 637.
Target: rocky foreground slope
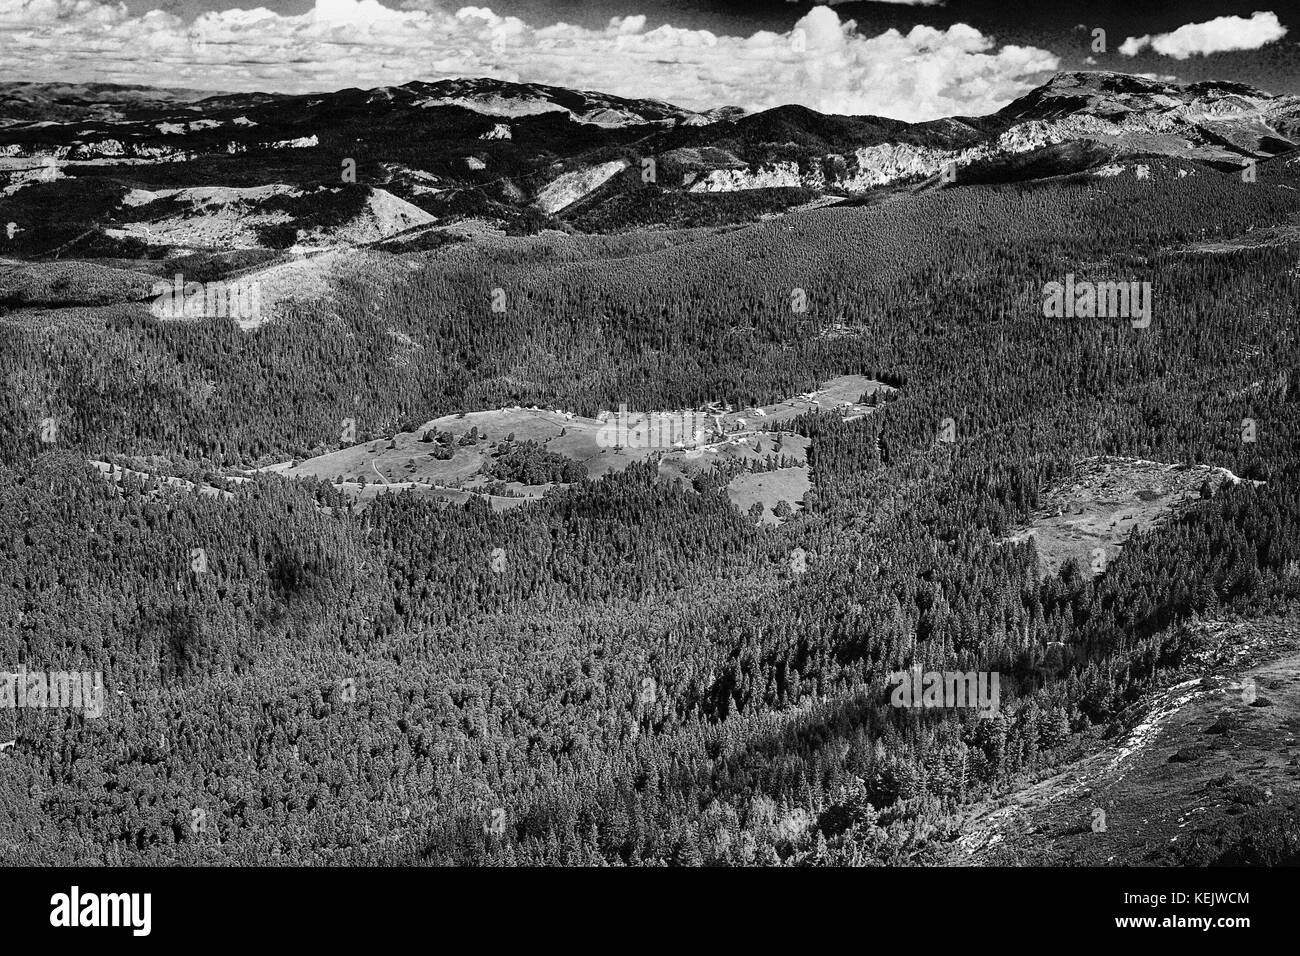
x: 1204, y: 771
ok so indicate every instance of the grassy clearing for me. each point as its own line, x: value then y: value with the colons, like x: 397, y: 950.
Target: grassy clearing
x: 735, y: 440
x: 1088, y: 517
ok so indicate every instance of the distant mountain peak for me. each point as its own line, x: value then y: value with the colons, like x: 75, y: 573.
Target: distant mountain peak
x: 506, y: 98
x: 1110, y: 81
x: 1107, y: 93
x: 524, y: 154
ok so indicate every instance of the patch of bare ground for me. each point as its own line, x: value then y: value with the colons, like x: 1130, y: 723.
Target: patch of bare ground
x: 1088, y: 516
x: 304, y: 277
x: 1253, y: 239
x: 1205, y: 771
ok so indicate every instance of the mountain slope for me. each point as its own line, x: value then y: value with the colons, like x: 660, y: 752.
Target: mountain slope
x: 1206, y: 772
x: 530, y: 156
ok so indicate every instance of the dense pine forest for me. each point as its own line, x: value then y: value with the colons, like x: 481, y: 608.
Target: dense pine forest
x: 631, y: 671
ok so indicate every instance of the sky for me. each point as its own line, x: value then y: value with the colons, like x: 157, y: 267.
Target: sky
x: 907, y: 59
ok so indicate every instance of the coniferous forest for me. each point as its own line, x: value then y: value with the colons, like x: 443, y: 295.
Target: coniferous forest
x: 627, y: 668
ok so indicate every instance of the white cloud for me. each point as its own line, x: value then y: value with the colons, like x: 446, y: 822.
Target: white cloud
x: 823, y: 62
x: 1219, y: 35
x: 910, y: 3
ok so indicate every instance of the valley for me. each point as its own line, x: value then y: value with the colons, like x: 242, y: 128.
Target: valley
x: 533, y: 476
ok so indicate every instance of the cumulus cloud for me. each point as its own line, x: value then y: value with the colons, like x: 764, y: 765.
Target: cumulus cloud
x: 822, y: 62
x: 1220, y: 35
x: 910, y: 3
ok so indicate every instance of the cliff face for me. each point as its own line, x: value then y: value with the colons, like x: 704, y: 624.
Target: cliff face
x: 1121, y: 114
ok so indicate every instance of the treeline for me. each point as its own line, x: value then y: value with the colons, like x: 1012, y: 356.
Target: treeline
x: 629, y: 670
